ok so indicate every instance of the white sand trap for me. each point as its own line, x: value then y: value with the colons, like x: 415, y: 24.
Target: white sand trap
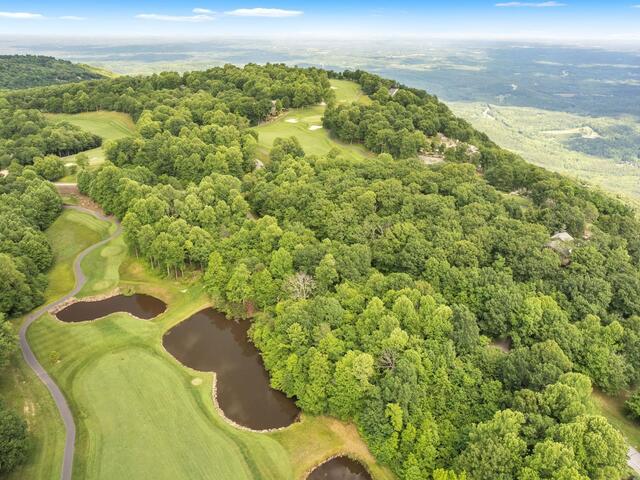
x: 334, y: 88
x: 315, y: 127
x: 69, y: 164
x: 196, y: 381
x: 291, y: 120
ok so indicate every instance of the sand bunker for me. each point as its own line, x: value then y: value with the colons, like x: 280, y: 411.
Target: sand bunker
x: 291, y: 120
x: 315, y: 127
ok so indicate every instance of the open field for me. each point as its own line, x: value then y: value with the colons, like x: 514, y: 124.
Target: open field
x: 303, y: 123
x: 557, y: 141
x: 347, y: 91
x: 108, y: 125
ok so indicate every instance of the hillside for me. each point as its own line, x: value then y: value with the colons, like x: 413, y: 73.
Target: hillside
x: 24, y: 71
x: 601, y: 150
x: 380, y: 250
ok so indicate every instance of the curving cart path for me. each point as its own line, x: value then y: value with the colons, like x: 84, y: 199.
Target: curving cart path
x: 633, y: 456
x: 32, y: 361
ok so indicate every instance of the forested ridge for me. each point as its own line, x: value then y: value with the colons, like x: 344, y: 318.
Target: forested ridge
x: 24, y: 71
x: 376, y: 286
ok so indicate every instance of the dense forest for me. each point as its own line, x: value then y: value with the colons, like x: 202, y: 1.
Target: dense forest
x: 28, y: 205
x: 24, y: 71
x: 376, y: 287
x: 25, y: 135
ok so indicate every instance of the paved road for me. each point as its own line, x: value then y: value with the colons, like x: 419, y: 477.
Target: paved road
x: 633, y: 459
x: 58, y: 396
x: 63, y: 407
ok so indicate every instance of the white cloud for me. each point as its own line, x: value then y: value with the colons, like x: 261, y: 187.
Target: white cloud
x: 264, y: 12
x: 21, y: 15
x: 202, y: 11
x: 72, y: 17
x: 175, y: 18
x: 532, y: 4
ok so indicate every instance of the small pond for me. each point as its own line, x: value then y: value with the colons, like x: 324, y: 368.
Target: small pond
x: 340, y: 468
x: 209, y: 342
x: 139, y: 305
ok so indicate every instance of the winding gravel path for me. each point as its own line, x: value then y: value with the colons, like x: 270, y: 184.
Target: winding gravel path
x: 29, y: 357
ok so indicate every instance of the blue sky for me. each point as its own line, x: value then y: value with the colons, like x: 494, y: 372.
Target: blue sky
x: 554, y: 20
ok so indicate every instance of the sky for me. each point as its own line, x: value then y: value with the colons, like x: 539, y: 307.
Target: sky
x: 613, y: 20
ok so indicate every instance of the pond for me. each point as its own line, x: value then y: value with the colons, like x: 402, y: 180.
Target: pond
x: 340, y: 468
x: 139, y: 305
x: 209, y: 342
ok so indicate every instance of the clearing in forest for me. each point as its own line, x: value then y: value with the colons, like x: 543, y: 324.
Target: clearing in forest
x: 306, y: 125
x: 107, y: 125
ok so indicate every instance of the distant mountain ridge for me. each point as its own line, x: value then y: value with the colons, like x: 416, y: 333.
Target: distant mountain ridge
x: 24, y: 71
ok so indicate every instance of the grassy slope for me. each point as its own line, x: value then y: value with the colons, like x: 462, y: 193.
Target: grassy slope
x: 527, y: 131
x: 108, y: 125
x: 137, y: 411
x: 138, y: 414
x: 317, y: 142
x: 613, y: 409
x: 71, y: 233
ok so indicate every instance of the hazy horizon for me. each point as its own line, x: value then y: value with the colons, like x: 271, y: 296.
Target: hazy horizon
x: 559, y: 21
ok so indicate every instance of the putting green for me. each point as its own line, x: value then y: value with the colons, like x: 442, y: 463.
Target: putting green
x: 104, y: 263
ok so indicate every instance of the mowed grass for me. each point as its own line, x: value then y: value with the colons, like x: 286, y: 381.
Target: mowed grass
x: 105, y: 124
x: 104, y: 263
x: 613, y: 409
x: 347, y: 92
x: 20, y: 388
x: 138, y: 412
x: 23, y: 392
x: 303, y: 123
x: 71, y: 233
